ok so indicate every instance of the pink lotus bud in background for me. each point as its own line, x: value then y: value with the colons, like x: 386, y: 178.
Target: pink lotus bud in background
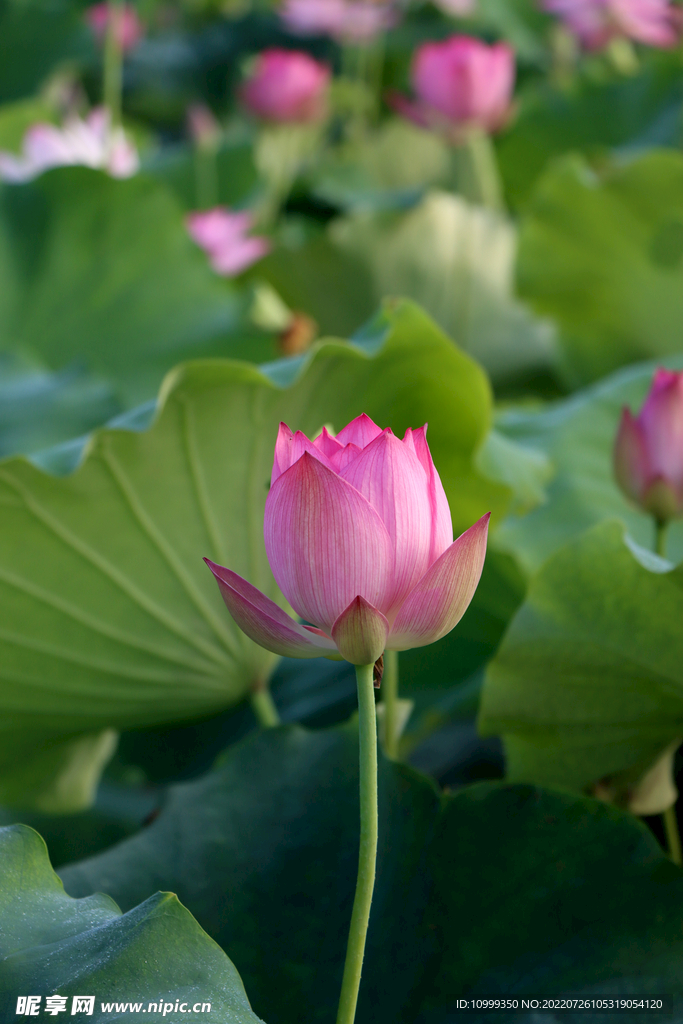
x: 597, y: 22
x: 204, y: 129
x: 88, y: 143
x: 648, y: 452
x: 461, y: 83
x: 129, y: 29
x: 287, y: 86
x: 359, y: 538
x: 223, y: 235
x: 347, y: 21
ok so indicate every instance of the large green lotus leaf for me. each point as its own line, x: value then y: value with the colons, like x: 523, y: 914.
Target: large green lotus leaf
x: 265, y: 849
x: 604, y: 256
x: 541, y: 891
x: 313, y: 275
x: 231, y: 177
x: 52, y: 944
x: 36, y: 36
x: 39, y: 408
x: 575, y: 437
x: 109, y: 617
x: 588, y: 681
x: 594, y: 114
x: 103, y: 271
x: 457, y: 261
x: 388, y: 170
x: 498, y: 888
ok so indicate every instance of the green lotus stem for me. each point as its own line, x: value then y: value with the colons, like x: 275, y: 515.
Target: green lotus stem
x: 390, y: 700
x: 673, y: 839
x: 113, y: 63
x: 206, y: 177
x: 367, y: 854
x: 479, y: 177
x: 263, y: 706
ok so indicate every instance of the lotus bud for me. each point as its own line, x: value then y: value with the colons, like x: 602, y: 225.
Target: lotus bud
x: 359, y: 538
x: 287, y: 87
x: 648, y: 451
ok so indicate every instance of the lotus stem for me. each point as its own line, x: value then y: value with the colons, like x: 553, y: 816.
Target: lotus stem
x: 263, y: 706
x: 391, y: 707
x: 478, y: 166
x: 367, y: 853
x: 673, y: 839
x: 113, y: 63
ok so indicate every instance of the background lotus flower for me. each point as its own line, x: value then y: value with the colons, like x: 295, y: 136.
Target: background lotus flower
x: 359, y: 538
x: 223, y: 235
x: 287, y: 86
x: 89, y: 143
x: 129, y: 28
x: 349, y: 21
x: 460, y: 83
x: 597, y: 22
x: 648, y: 452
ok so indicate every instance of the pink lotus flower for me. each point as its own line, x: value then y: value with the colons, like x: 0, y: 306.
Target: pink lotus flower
x: 348, y: 21
x: 596, y: 22
x: 287, y: 86
x: 129, y: 29
x: 223, y: 236
x: 461, y: 83
x: 648, y: 452
x: 89, y: 143
x: 359, y: 538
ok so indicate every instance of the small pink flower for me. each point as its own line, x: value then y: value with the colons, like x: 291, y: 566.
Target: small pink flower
x: 223, y: 235
x: 287, y: 86
x: 648, y: 452
x: 88, y: 143
x: 461, y: 83
x: 130, y: 29
x: 359, y: 538
x: 596, y: 22
x: 348, y: 21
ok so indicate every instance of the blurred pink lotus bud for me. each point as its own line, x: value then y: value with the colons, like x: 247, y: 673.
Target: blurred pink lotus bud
x: 204, y: 129
x: 129, y: 28
x: 223, y: 235
x: 359, y: 538
x: 597, y: 22
x: 88, y: 143
x: 347, y: 21
x: 460, y: 83
x: 287, y: 86
x: 648, y: 451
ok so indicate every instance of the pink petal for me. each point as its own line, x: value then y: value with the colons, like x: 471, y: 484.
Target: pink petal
x: 360, y: 431
x: 327, y: 444
x: 289, y: 448
x: 264, y: 621
x: 360, y: 633
x: 630, y: 457
x: 325, y: 542
x: 440, y: 599
x: 442, y: 525
x: 391, y: 477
